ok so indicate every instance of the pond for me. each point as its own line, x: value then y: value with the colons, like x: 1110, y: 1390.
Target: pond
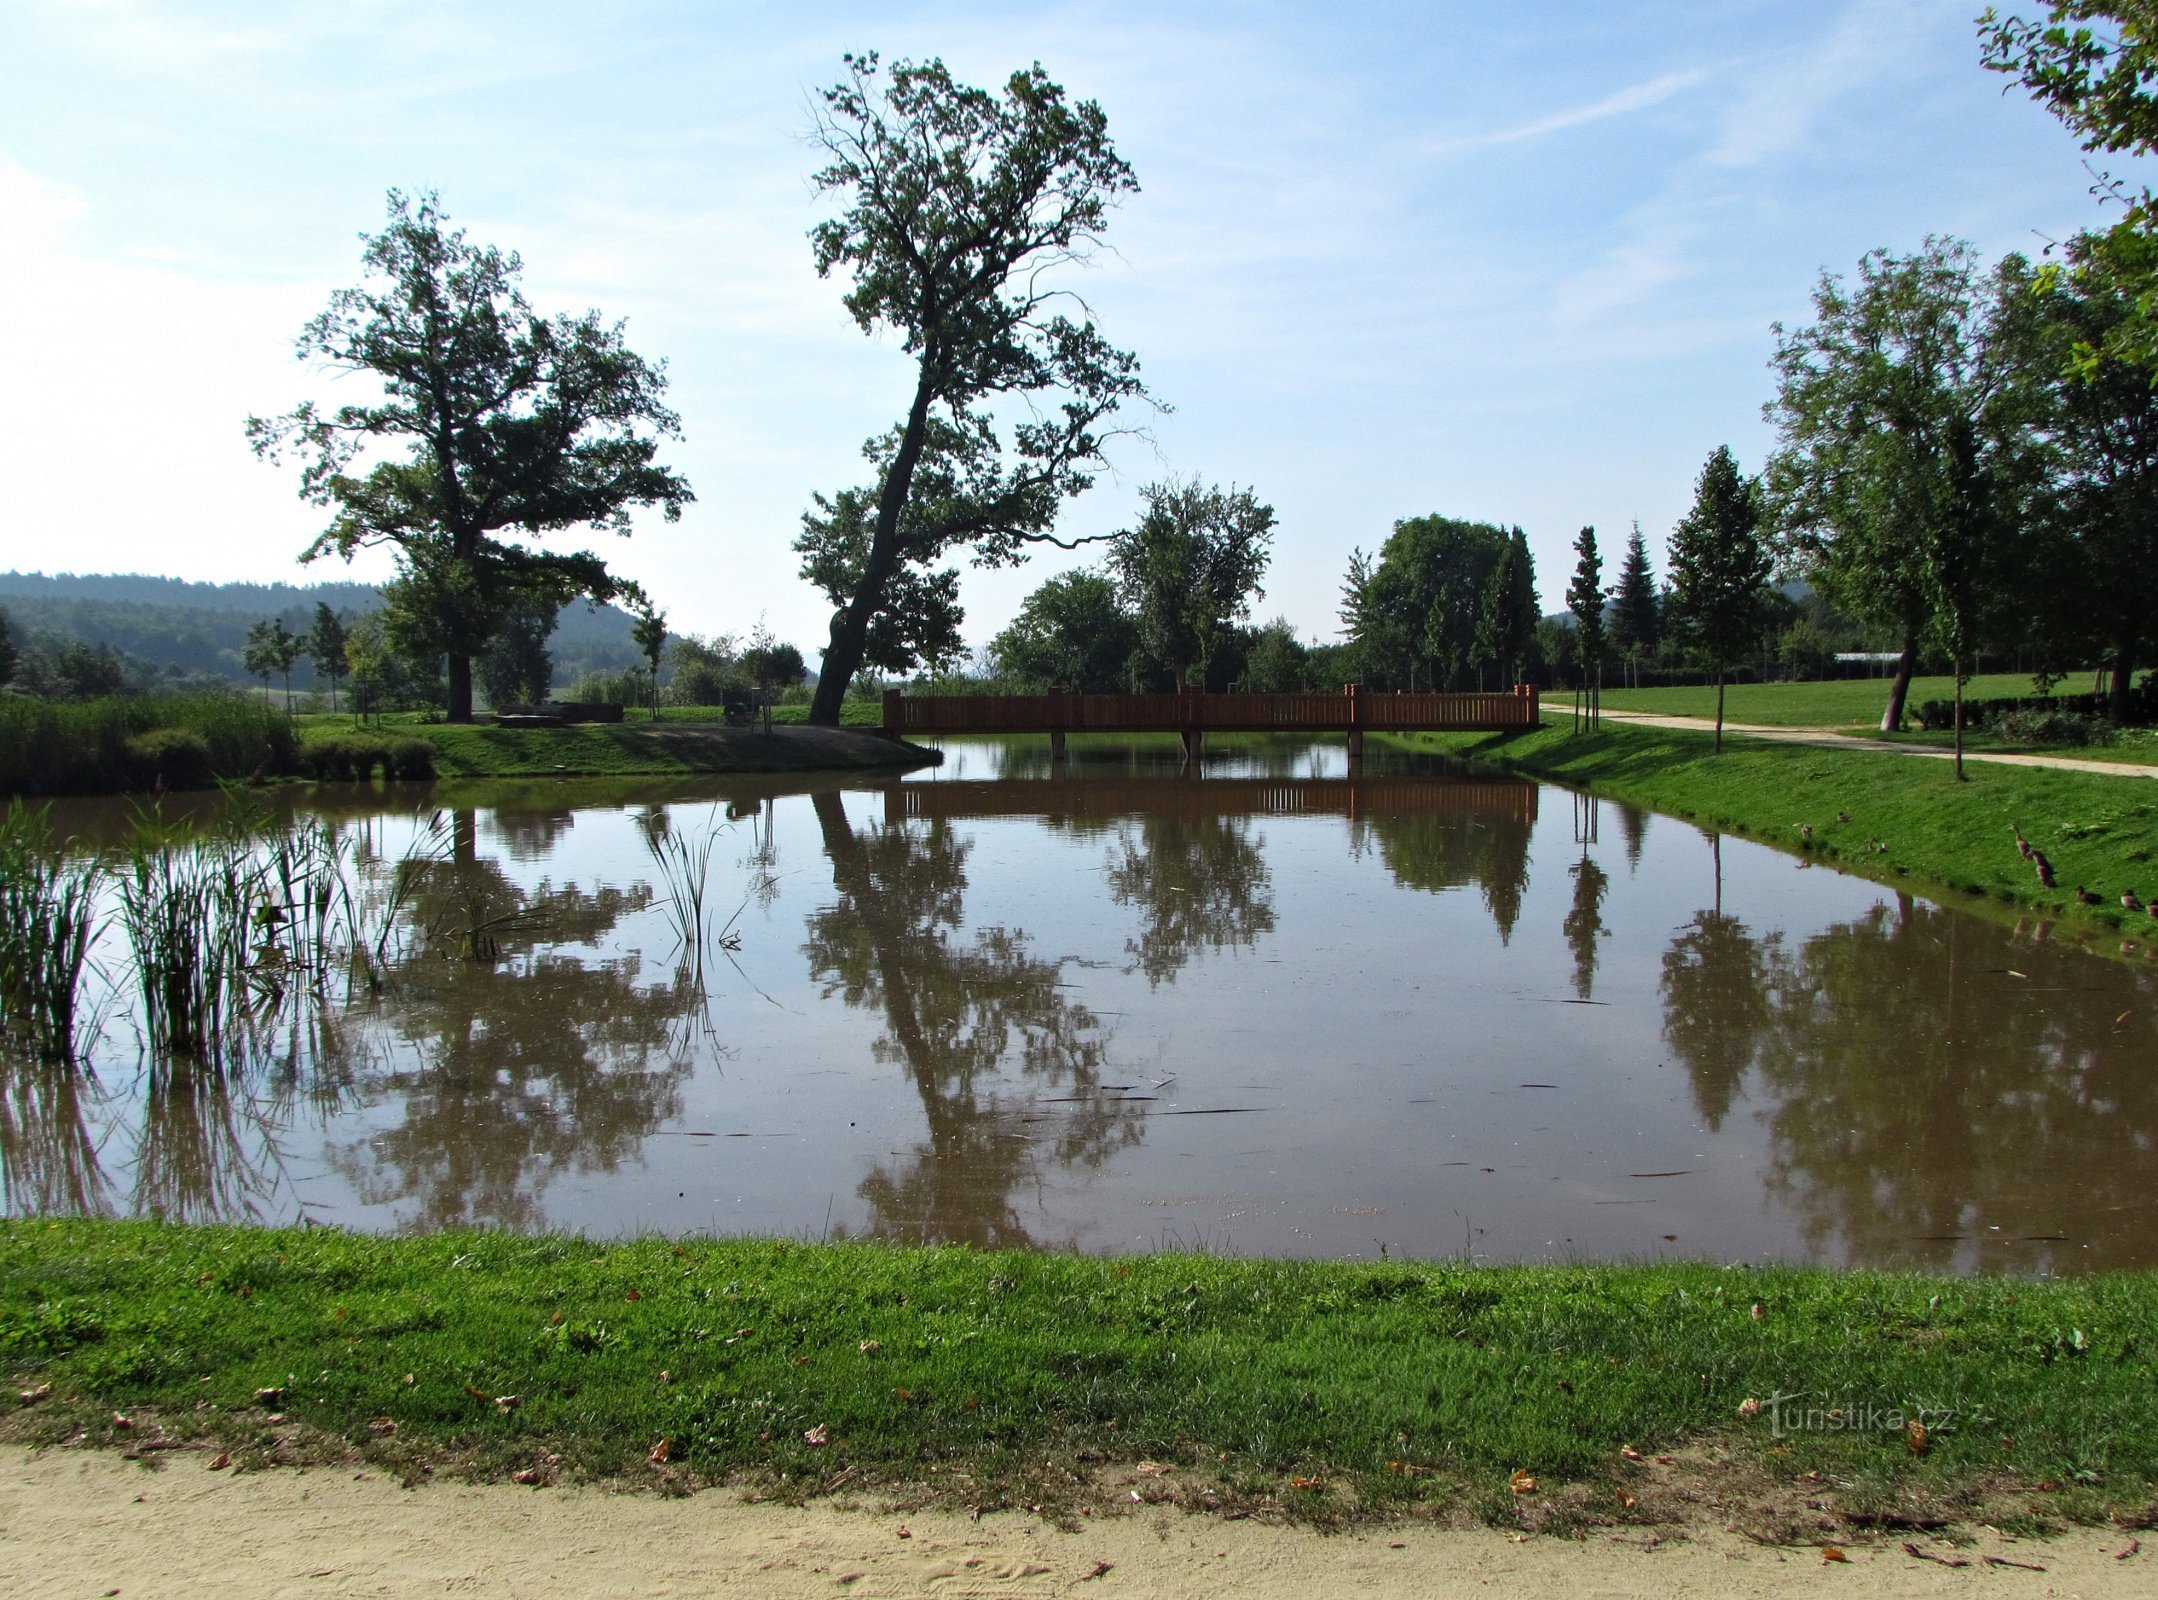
x: 1255, y: 1005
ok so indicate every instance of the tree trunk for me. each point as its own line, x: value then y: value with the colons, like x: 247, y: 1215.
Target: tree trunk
x: 1959, y: 722
x: 460, y: 688
x: 1900, y: 689
x: 2117, y: 701
x: 850, y: 628
x: 1719, y: 708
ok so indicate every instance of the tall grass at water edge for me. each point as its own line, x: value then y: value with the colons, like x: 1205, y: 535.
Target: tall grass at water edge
x: 48, y: 920
x: 126, y: 742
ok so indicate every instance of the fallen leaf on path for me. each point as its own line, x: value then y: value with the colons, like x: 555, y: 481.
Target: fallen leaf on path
x: 1831, y: 1552
x: 2133, y: 1546
x: 2003, y: 1561
x: 1923, y: 1554
x: 1101, y: 1570
x: 525, y: 1476
x: 221, y: 1463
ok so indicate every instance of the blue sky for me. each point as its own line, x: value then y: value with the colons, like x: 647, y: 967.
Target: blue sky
x: 1516, y: 262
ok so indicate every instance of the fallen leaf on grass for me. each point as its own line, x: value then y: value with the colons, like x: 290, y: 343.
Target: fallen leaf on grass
x: 381, y: 1427
x: 1522, y: 1483
x: 31, y: 1397
x: 507, y: 1402
x: 666, y: 1377
x: 1305, y: 1483
x: 633, y: 1295
x: 1749, y: 1407
x: 870, y: 1346
x: 1151, y: 1469
x: 1915, y: 1438
x: 119, y: 1421
x: 1832, y: 1552
x: 820, y: 1434
x: 527, y: 1475
x: 1628, y: 1453
x: 659, y: 1453
x: 268, y: 1397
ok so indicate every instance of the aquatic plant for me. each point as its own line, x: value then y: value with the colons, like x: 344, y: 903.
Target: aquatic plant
x: 685, y: 867
x: 48, y: 920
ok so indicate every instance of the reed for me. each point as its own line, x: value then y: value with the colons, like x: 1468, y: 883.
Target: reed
x: 685, y: 867
x: 189, y: 902
x: 112, y: 745
x: 48, y: 921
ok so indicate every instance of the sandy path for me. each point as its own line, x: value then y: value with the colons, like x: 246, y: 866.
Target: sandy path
x: 1826, y: 740
x: 79, y: 1523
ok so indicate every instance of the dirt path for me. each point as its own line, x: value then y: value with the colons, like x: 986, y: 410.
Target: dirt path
x: 1823, y: 740
x: 80, y: 1523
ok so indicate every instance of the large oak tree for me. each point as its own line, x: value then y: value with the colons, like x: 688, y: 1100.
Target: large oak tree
x: 960, y: 206
x: 495, y: 425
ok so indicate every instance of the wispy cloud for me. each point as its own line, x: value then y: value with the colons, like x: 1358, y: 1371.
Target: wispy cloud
x: 1635, y: 97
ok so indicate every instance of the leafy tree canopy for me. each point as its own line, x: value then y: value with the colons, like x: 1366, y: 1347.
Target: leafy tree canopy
x: 1190, y: 570
x: 1072, y: 634
x: 495, y: 425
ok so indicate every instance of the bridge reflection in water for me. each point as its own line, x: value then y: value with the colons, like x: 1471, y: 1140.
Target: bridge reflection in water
x: 1089, y: 799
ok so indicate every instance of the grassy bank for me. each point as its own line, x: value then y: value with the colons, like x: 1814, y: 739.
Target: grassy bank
x: 1834, y: 703
x: 1910, y: 821
x: 633, y: 749
x: 120, y: 742
x: 991, y: 1376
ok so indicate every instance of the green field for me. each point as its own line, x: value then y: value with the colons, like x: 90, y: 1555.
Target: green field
x: 2100, y: 831
x: 989, y: 1377
x: 1836, y: 703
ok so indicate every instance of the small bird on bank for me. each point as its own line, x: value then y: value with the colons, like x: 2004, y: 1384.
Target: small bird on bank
x: 2129, y: 902
x: 2024, y: 847
x: 2045, y: 869
x: 2088, y: 898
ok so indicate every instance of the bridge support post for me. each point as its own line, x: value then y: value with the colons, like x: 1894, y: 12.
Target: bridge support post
x: 1056, y: 747
x: 1356, y: 724
x: 1194, y: 743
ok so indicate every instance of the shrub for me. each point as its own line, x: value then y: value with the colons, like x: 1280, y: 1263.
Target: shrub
x: 2024, y: 725
x: 83, y: 746
x: 178, y: 758
x: 412, y: 760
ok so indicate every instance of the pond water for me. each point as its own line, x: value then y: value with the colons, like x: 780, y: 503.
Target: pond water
x: 1257, y: 1006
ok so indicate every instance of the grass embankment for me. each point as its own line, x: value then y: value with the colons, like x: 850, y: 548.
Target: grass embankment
x: 2099, y: 831
x: 1833, y: 703
x: 988, y: 1376
x: 119, y: 742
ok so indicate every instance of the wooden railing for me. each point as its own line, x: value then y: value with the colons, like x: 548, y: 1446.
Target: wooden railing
x: 1351, y: 711
x: 1105, y: 798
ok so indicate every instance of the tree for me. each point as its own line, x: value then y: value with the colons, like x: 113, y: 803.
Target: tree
x: 961, y: 204
x: 1636, y: 623
x: 1903, y: 451
x: 1510, y: 614
x: 1278, y: 662
x: 516, y: 668
x: 8, y: 654
x: 511, y: 425
x: 2099, y: 600
x: 325, y: 644
x: 1718, y: 570
x: 649, y: 633
x: 1190, y: 569
x: 1070, y: 634
x: 1413, y: 615
x: 371, y: 664
x: 271, y: 647
x: 2099, y: 82
x: 1585, y: 599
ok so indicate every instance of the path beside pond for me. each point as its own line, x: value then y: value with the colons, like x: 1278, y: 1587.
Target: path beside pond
x: 78, y: 1523
x: 1825, y: 740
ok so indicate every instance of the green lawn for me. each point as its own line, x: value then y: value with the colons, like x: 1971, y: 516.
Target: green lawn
x: 988, y: 1377
x: 1838, y: 703
x: 2101, y: 831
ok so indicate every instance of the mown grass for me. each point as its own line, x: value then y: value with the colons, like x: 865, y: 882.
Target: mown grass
x: 2099, y: 831
x: 122, y: 742
x: 990, y: 1375
x: 1834, y: 703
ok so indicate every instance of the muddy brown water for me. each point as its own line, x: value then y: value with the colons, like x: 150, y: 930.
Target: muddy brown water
x: 1257, y: 1006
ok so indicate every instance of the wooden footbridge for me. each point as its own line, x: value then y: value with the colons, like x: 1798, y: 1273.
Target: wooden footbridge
x: 1354, y: 712
x: 1096, y: 800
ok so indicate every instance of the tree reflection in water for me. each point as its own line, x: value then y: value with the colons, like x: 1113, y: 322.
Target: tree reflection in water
x: 1585, y: 923
x: 1435, y: 851
x: 980, y: 1024
x: 1716, y: 1006
x: 1200, y: 882
x: 529, y: 1060
x: 49, y: 1165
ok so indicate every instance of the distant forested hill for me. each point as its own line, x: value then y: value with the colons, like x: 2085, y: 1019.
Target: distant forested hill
x: 167, y: 630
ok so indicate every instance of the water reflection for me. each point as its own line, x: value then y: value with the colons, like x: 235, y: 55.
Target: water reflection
x: 980, y: 1024
x: 1347, y: 994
